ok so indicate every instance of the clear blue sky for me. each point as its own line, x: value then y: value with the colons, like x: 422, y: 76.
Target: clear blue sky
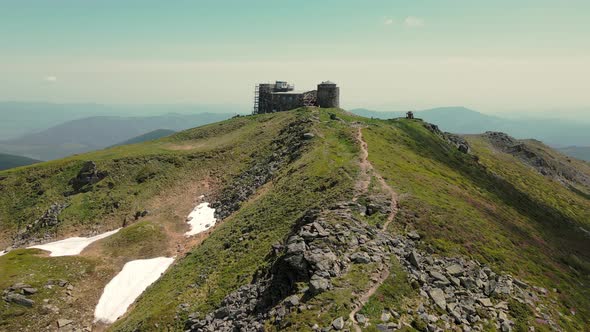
x: 494, y: 55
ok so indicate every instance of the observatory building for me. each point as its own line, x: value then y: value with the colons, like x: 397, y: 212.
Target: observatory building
x: 281, y: 96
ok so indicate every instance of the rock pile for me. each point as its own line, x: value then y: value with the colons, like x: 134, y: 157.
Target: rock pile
x: 18, y: 293
x: 284, y: 150
x: 49, y: 219
x: 534, y: 157
x: 455, y: 292
x: 456, y: 140
x: 465, y: 292
x: 322, y: 246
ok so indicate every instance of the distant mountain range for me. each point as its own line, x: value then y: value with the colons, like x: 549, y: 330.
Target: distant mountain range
x: 152, y: 135
x: 10, y: 161
x: 98, y: 132
x: 462, y: 120
x: 23, y: 118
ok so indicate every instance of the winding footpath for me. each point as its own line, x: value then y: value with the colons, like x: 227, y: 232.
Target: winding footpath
x: 362, y: 187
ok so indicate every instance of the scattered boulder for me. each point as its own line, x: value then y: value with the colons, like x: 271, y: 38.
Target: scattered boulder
x: 86, y: 177
x: 360, y: 258
x: 63, y: 322
x: 360, y: 318
x: 438, y: 296
x: 29, y: 290
x: 414, y: 236
x: 19, y: 299
x: 454, y: 270
x: 338, y: 323
x: 413, y: 258
x: 318, y: 284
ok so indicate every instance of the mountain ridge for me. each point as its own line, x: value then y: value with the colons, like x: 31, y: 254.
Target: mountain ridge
x: 462, y: 120
x: 304, y: 235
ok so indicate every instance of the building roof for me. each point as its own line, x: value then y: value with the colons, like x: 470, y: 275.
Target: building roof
x: 290, y: 92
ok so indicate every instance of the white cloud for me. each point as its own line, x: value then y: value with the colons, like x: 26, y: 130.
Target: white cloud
x: 50, y: 78
x: 388, y: 21
x: 413, y: 22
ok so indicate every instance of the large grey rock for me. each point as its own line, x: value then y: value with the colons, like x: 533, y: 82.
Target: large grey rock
x: 29, y: 290
x: 318, y: 284
x: 292, y: 301
x: 360, y: 318
x: 338, y: 323
x: 438, y: 296
x: 413, y: 259
x: 455, y: 270
x: 296, y: 247
x: 63, y: 322
x: 414, y: 235
x: 360, y: 257
x: 19, y: 299
x: 320, y: 260
x: 486, y: 302
x: 439, y: 276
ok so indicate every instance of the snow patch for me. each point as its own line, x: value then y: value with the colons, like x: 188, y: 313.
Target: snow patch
x: 126, y: 286
x: 3, y: 252
x: 71, y: 246
x: 200, y: 219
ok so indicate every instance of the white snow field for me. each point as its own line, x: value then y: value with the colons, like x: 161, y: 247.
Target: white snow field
x: 126, y: 286
x: 200, y: 219
x: 71, y: 246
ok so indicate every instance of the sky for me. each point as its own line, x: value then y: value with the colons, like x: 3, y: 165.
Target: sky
x: 494, y: 56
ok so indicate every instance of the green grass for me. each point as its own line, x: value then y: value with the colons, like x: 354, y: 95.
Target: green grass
x: 493, y: 209
x: 519, y: 222
x: 144, y: 239
x: 29, y: 267
x: 136, y: 173
x: 390, y: 295
x: 321, y: 176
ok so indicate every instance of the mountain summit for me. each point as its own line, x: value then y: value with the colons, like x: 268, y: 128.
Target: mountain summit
x: 305, y: 220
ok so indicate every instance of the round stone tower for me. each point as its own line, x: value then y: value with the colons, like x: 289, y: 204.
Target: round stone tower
x: 328, y: 95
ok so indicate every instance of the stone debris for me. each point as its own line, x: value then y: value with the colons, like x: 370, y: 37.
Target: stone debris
x: 457, y: 293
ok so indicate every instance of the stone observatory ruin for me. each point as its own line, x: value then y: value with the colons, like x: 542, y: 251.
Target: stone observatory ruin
x: 282, y: 96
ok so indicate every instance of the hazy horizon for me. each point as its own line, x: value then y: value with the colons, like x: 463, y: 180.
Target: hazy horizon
x: 497, y: 58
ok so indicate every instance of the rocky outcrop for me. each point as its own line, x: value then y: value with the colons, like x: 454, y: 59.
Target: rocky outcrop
x: 284, y: 149
x: 324, y: 244
x: 86, y: 177
x: 542, y: 162
x: 48, y: 221
x: 462, y: 292
x: 459, y: 142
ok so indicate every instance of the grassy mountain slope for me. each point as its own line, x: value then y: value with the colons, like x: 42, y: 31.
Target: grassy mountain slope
x: 164, y: 177
x: 9, y: 161
x: 152, y: 135
x: 279, y: 180
x: 496, y: 210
